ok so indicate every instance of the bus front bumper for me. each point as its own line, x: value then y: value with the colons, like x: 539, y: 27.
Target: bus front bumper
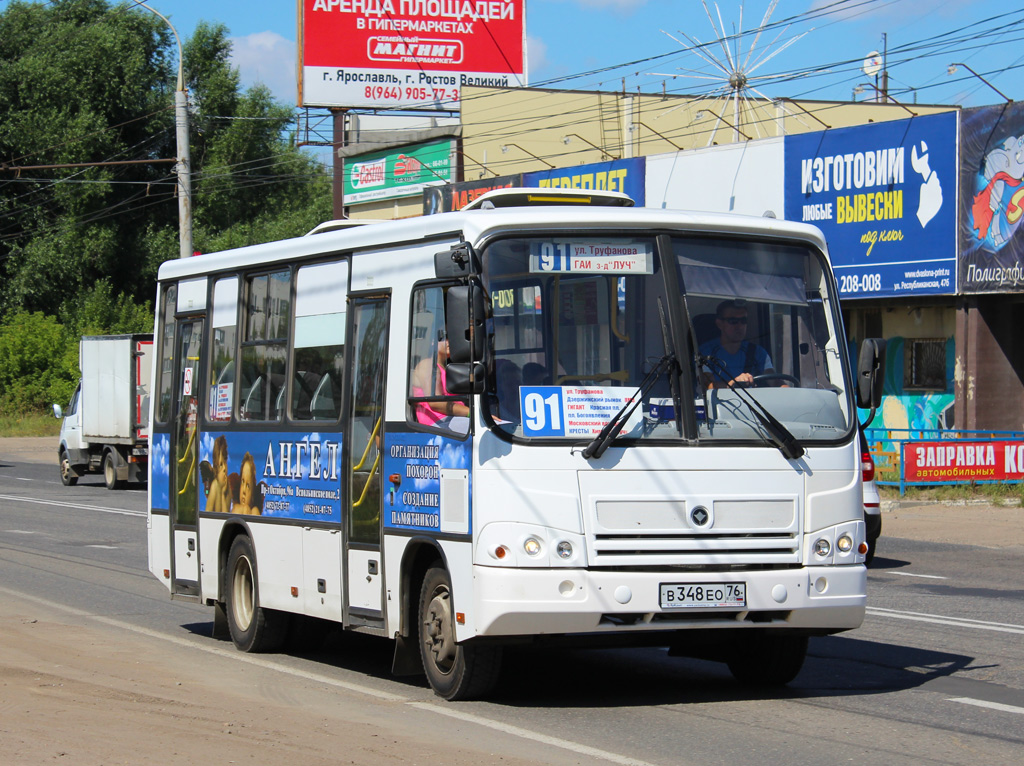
x: 519, y: 602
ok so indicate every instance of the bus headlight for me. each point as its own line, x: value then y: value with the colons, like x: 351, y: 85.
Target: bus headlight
x: 844, y: 543
x: 822, y: 547
x: 515, y: 544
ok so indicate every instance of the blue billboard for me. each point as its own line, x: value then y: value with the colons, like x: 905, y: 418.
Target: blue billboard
x: 884, y: 195
x: 626, y: 176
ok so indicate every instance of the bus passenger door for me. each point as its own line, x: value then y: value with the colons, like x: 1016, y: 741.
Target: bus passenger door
x: 184, y: 468
x: 364, y: 437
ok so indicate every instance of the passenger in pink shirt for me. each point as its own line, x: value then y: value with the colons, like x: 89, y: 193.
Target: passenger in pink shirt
x: 428, y: 379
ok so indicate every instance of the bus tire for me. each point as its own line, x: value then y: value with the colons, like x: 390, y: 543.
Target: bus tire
x: 252, y: 628
x: 455, y: 671
x: 767, y: 660
x: 67, y: 473
x: 110, y: 471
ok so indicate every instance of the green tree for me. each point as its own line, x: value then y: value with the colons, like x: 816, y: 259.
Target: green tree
x: 90, y: 81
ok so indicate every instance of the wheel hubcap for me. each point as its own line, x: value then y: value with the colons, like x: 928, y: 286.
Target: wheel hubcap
x: 242, y: 606
x: 437, y: 630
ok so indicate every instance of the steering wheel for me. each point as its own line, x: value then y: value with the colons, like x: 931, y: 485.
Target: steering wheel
x: 761, y: 380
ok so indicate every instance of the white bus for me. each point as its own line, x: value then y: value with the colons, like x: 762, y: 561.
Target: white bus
x: 515, y: 424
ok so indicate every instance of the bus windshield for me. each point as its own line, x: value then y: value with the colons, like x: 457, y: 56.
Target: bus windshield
x: 579, y: 322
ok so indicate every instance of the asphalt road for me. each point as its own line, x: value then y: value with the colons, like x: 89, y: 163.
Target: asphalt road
x: 935, y: 675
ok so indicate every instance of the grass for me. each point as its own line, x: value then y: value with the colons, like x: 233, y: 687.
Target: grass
x: 31, y: 424
x: 1003, y: 494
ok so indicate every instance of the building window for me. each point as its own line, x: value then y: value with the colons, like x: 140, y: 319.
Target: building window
x: 926, y: 363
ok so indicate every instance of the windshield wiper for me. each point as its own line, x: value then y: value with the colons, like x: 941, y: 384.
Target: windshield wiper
x: 612, y: 428
x: 778, y: 434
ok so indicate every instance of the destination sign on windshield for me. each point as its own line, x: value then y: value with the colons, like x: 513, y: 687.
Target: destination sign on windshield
x: 591, y: 257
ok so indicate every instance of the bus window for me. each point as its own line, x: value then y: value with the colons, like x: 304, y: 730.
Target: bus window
x: 163, y: 407
x: 319, y: 341
x: 430, y: 404
x: 222, y: 365
x: 264, y: 347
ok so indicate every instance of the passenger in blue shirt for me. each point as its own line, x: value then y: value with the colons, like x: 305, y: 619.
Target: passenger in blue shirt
x: 742, y: 360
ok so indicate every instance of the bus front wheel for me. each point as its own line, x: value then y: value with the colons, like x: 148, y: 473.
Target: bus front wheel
x: 455, y: 671
x: 252, y: 628
x: 768, y: 660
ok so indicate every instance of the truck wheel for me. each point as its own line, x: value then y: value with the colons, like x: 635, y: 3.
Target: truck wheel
x: 110, y: 471
x: 455, y: 671
x: 766, y: 660
x: 67, y: 474
x: 252, y: 628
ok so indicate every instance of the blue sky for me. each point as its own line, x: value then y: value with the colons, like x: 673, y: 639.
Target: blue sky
x: 606, y: 41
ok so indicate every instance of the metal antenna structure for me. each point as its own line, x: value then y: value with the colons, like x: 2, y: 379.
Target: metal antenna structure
x: 733, y: 68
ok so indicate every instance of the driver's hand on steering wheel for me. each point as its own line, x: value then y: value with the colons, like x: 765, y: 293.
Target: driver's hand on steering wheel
x: 743, y: 379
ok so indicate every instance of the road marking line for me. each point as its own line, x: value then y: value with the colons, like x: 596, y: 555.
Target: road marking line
x: 958, y: 622
x: 530, y: 735
x: 929, y: 577
x: 989, y: 705
x: 101, y: 509
x: 105, y: 547
x: 428, y: 707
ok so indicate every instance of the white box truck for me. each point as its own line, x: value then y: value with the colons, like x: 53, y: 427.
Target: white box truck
x: 106, y: 425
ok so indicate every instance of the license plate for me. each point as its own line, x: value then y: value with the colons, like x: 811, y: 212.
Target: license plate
x: 704, y: 595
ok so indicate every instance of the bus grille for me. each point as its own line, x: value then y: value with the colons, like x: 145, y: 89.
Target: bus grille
x: 704, y: 550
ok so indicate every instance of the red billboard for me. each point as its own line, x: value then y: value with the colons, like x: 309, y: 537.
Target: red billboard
x: 408, y: 54
x: 963, y: 461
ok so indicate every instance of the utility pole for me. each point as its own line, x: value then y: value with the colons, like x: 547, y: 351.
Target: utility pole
x: 184, y: 158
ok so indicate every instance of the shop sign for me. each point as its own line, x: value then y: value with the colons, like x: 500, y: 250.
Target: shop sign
x: 401, y: 172
x: 963, y: 461
x: 626, y: 176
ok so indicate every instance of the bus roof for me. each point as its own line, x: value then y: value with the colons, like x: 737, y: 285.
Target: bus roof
x: 474, y: 225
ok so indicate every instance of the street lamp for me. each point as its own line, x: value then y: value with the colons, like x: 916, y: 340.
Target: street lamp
x: 504, y: 150
x: 567, y: 139
x: 184, y: 164
x: 659, y: 135
x: 952, y: 70
x: 884, y: 96
x: 700, y: 114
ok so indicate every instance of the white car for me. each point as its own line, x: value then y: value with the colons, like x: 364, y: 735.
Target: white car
x: 872, y: 500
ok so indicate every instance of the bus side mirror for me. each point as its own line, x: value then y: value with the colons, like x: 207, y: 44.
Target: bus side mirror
x: 464, y: 323
x: 460, y: 261
x: 465, y: 378
x: 870, y: 373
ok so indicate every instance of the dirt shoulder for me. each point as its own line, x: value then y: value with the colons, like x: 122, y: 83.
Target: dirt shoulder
x: 29, y: 449
x: 964, y: 523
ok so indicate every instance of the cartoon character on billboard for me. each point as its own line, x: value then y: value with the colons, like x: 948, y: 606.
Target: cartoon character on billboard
x: 996, y: 209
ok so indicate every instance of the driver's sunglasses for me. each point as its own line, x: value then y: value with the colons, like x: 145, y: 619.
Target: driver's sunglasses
x: 735, y: 320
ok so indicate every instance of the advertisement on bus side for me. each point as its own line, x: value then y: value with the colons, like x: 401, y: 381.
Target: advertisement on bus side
x: 415, y: 465
x: 280, y: 475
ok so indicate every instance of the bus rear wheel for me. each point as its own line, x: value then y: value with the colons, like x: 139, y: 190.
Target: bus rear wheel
x: 768, y: 660
x: 455, y: 671
x: 252, y: 628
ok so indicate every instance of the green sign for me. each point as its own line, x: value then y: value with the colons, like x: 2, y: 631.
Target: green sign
x: 401, y: 172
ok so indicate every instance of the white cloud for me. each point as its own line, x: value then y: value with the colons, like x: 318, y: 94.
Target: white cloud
x: 536, y: 54
x: 267, y: 58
